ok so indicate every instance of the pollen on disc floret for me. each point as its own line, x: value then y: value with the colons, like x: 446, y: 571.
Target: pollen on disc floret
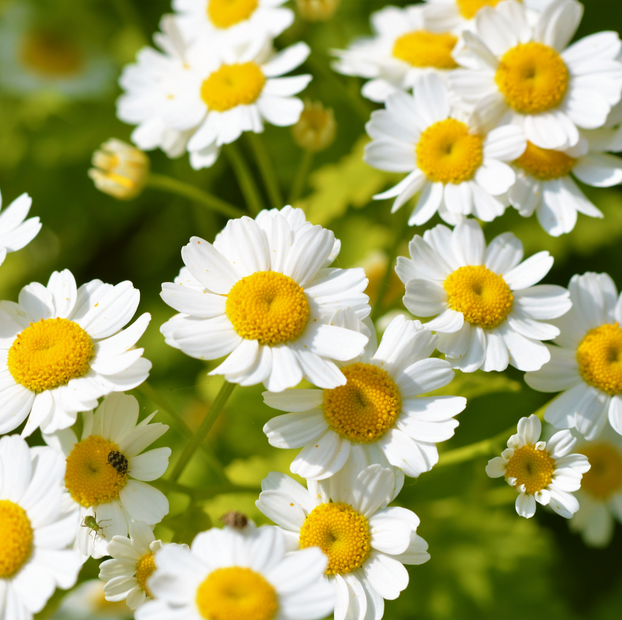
x: 599, y: 355
x: 421, y: 48
x: 545, y: 164
x: 17, y: 538
x: 469, y: 8
x: 531, y: 467
x: 144, y: 569
x: 226, y: 13
x: 233, y: 85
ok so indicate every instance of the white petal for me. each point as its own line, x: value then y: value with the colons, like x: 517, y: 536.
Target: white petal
x: 529, y: 272
x: 386, y: 575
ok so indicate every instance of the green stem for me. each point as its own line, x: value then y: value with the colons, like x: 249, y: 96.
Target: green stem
x: 127, y: 11
x: 266, y: 168
x: 203, y: 430
x: 196, y: 194
x: 300, y: 179
x: 245, y: 178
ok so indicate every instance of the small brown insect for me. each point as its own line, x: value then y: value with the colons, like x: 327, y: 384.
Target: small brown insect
x: 118, y: 461
x: 235, y: 519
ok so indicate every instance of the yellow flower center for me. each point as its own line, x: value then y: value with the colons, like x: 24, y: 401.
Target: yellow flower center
x: 422, y: 48
x: 90, y: 478
x: 268, y: 307
x: 144, y: 569
x: 17, y: 536
x: 236, y: 593
x: 227, y: 13
x: 483, y: 297
x: 469, y: 8
x: 366, y: 407
x: 49, y: 354
x: 341, y: 533
x: 233, y: 85
x: 51, y: 55
x: 600, y: 358
x: 531, y: 467
x: 532, y: 77
x: 545, y: 164
x: 604, y: 477
x: 448, y: 153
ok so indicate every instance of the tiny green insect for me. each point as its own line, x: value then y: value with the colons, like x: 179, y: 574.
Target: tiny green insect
x: 93, y: 524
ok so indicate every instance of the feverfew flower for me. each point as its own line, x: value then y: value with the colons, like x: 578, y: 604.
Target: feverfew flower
x: 529, y: 77
x: 489, y: 311
x: 234, y: 573
x: 107, y: 471
x: 15, y: 233
x: 541, y: 471
x: 36, y: 529
x: 263, y: 296
x: 87, y: 600
x: 63, y: 347
x: 378, y: 416
x: 367, y: 544
x: 585, y: 365
x: 453, y: 162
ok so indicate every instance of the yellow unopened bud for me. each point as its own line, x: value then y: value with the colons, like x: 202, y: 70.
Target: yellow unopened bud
x: 317, y: 10
x: 316, y: 128
x: 121, y: 169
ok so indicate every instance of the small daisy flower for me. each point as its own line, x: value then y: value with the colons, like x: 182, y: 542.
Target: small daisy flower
x: 585, y: 365
x: 529, y: 77
x: 457, y: 167
x: 378, y: 416
x: 262, y: 295
x: 108, y: 470
x: 36, y: 529
x: 489, y: 311
x: 541, y: 471
x: 233, y: 573
x: 16, y: 231
x: 367, y: 544
x: 87, y: 600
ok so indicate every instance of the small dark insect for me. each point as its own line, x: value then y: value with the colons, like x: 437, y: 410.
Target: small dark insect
x: 94, y: 525
x: 235, y: 519
x: 118, y: 461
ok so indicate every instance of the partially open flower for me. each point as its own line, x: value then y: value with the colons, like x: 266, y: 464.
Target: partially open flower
x: 317, y: 10
x: 316, y: 128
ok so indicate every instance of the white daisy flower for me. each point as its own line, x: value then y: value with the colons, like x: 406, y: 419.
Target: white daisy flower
x: 541, y: 471
x: 452, y: 161
x: 233, y: 573
x: 367, y: 544
x: 87, y: 601
x: 489, y: 311
x: 16, y: 231
x: 584, y: 366
x: 36, y: 529
x: 401, y: 50
x: 378, y: 416
x: 529, y: 77
x: 262, y: 295
x: 107, y: 471
x: 62, y: 348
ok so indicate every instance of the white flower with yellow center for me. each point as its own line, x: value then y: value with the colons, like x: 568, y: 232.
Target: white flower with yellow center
x: 36, y: 529
x: 489, y: 311
x: 63, y: 347
x: 541, y: 471
x: 528, y: 77
x: 263, y: 296
x: 587, y: 363
x: 16, y: 231
x: 234, y: 574
x: 367, y: 544
x: 378, y: 416
x: 107, y: 472
x: 401, y: 50
x: 87, y: 600
x: 456, y: 166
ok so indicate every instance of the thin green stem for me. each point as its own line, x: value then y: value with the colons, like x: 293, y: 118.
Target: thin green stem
x: 245, y: 178
x: 266, y: 168
x: 298, y: 186
x: 203, y: 430
x: 127, y: 11
x: 196, y: 194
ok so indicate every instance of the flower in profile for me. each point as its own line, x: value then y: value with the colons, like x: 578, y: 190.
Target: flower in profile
x: 87, y: 600
x: 37, y: 528
x: 316, y: 127
x: 456, y: 165
x: 317, y: 10
x: 108, y: 470
x: 243, y: 574
x: 121, y: 170
x: 541, y: 471
x: 487, y: 310
x: 16, y: 231
x: 262, y: 295
x: 366, y: 543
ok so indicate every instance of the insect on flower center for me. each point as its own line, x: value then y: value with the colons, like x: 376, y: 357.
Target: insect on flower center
x: 600, y: 358
x: 51, y: 55
x: 422, y: 48
x: 236, y: 593
x: 448, y: 153
x: 268, y: 307
x: 227, y: 13
x: 17, y: 537
x: 144, y: 569
x: 604, y: 477
x: 49, y: 354
x: 483, y: 297
x: 531, y: 467
x: 469, y: 8
x: 233, y: 85
x: 90, y: 478
x: 366, y: 407
x: 532, y: 77
x: 545, y: 164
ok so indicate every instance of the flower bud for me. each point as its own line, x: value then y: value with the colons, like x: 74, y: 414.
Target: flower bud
x: 316, y: 128
x: 317, y: 10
